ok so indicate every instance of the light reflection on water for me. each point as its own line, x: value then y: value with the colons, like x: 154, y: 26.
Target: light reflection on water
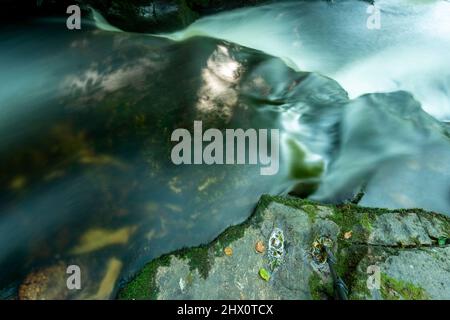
x: 409, y: 52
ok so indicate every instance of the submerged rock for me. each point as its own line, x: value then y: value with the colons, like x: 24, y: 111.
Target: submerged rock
x: 162, y: 15
x: 130, y: 15
x: 51, y: 282
x: 40, y: 284
x: 402, y: 244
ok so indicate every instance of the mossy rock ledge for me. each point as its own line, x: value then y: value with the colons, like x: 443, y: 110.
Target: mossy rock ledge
x: 403, y: 244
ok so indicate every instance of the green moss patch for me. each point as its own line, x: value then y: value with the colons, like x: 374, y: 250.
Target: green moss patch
x: 198, y: 259
x: 143, y: 285
x: 348, y: 259
x: 394, y: 289
x: 311, y: 211
x: 319, y: 289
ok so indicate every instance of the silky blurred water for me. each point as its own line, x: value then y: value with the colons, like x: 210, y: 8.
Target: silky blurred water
x: 409, y: 51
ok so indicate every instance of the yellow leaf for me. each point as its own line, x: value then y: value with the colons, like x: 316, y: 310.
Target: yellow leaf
x: 109, y: 280
x: 96, y: 239
x: 228, y: 251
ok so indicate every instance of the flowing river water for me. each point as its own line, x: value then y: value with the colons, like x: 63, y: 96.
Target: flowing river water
x: 86, y: 120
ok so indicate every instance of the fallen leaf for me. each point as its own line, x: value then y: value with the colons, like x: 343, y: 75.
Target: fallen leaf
x: 264, y: 274
x: 228, y: 251
x: 259, y: 247
x: 348, y: 235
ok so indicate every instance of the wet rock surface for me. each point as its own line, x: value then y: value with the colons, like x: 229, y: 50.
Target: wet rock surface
x: 162, y: 15
x: 403, y: 244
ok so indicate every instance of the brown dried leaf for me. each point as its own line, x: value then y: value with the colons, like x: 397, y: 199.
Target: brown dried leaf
x: 348, y: 234
x: 228, y: 251
x: 259, y: 247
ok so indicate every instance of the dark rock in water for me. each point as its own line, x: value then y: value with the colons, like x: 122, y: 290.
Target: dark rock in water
x: 402, y: 244
x: 46, y: 283
x: 149, y: 16
x: 43, y: 284
x: 162, y: 15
